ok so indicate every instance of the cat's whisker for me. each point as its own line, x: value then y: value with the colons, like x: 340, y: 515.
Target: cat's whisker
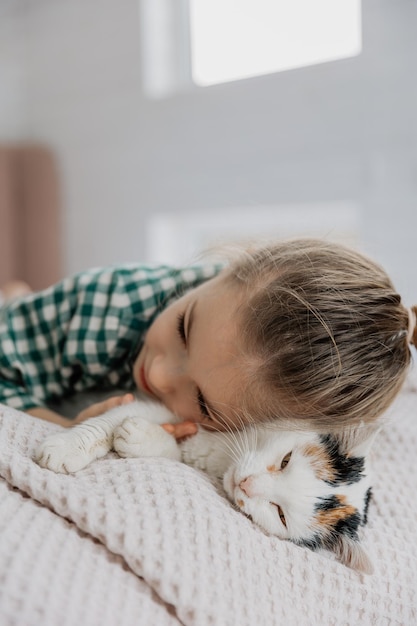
x: 236, y: 444
x: 241, y: 435
x: 236, y: 439
x: 231, y: 444
x: 248, y: 425
x: 230, y: 450
x: 251, y: 434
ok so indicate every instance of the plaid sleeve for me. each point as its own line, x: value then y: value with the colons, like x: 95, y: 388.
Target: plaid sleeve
x: 84, y: 332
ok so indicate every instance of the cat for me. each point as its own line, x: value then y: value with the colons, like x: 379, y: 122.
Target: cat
x: 313, y: 489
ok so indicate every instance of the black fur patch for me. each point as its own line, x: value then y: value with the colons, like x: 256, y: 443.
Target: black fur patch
x: 315, y: 543
x: 346, y: 469
x: 347, y: 526
x: 368, y: 497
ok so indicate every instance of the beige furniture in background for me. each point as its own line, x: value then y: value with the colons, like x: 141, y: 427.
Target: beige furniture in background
x: 30, y: 245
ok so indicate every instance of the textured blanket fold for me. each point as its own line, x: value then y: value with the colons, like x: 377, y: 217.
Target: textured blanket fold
x: 150, y: 541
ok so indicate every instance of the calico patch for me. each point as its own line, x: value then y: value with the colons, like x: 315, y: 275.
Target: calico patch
x: 334, y: 515
x: 335, y: 518
x: 331, y: 465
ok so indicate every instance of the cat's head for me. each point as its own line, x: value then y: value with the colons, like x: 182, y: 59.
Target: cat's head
x: 309, y: 488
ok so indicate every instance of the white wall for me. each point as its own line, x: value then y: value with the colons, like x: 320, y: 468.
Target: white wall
x: 337, y: 132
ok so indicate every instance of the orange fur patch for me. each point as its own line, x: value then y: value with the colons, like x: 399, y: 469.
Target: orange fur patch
x: 330, y: 517
x: 272, y: 468
x: 240, y: 503
x: 320, y: 462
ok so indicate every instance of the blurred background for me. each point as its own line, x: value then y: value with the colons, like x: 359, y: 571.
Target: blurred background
x: 147, y: 129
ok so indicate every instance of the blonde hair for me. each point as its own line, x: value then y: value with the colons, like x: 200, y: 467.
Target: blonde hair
x: 327, y: 330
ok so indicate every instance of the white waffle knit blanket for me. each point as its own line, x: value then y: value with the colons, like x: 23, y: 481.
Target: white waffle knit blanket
x: 153, y: 542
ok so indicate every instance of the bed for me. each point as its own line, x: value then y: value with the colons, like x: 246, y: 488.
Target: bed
x: 154, y: 542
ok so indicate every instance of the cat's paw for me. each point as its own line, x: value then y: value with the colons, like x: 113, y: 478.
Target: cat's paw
x: 63, y: 454
x: 137, y: 437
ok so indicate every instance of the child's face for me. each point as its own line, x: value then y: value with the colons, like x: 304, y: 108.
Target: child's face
x: 192, y: 360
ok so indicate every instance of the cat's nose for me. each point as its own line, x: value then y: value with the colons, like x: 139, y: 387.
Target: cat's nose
x: 245, y: 485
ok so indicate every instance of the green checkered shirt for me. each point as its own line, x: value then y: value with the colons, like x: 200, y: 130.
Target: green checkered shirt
x: 84, y: 332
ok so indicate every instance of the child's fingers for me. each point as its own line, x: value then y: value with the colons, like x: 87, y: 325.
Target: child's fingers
x: 110, y: 403
x: 127, y: 398
x: 185, y: 429
x: 181, y: 430
x: 105, y: 405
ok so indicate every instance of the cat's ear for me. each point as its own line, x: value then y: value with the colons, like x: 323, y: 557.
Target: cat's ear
x: 357, y: 440
x: 349, y: 552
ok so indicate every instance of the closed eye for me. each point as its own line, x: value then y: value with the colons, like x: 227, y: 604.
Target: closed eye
x: 280, y: 513
x: 202, y: 404
x: 181, y: 328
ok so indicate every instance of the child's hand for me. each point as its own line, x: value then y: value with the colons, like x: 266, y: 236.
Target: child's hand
x: 181, y: 430
x: 102, y: 407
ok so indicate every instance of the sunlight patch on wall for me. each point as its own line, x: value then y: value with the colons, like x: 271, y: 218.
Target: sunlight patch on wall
x: 235, y: 39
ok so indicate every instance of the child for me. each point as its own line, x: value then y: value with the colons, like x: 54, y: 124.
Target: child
x: 301, y: 330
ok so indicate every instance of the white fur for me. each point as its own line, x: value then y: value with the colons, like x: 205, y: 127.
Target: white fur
x: 133, y: 430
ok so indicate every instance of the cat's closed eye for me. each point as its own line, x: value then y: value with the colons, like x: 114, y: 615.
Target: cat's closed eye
x: 286, y: 460
x: 280, y: 513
